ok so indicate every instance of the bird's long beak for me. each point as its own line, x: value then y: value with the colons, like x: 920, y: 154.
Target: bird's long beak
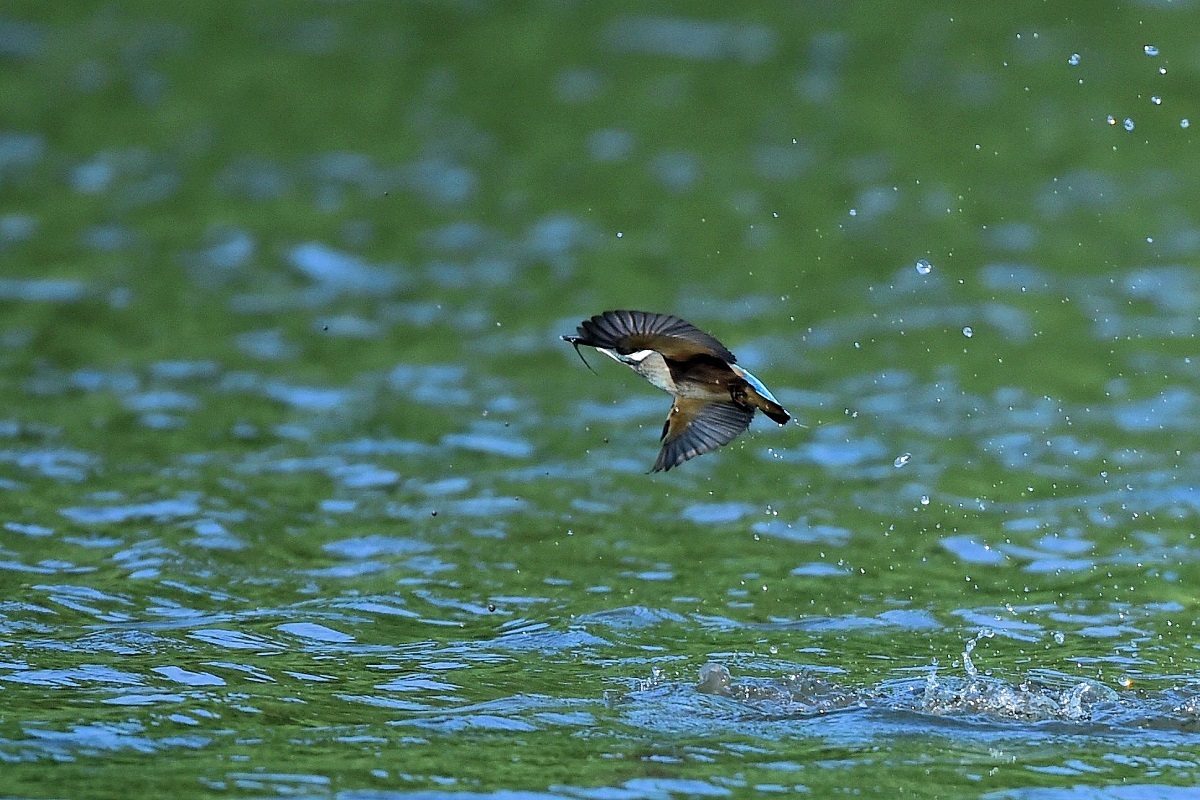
x: 574, y: 342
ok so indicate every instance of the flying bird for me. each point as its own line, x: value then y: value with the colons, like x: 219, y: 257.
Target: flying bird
x: 715, y: 398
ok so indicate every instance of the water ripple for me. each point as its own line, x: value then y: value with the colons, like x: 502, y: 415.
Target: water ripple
x: 693, y: 39
x: 110, y: 515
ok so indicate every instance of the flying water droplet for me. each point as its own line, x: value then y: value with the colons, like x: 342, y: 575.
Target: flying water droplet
x: 924, y: 267
x: 1128, y: 123
x: 1150, y: 50
x: 968, y: 331
x: 901, y: 460
x: 1183, y: 123
x: 924, y: 499
x: 1156, y: 100
x: 1073, y: 60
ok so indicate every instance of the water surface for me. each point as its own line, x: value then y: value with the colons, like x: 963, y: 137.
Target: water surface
x: 302, y: 495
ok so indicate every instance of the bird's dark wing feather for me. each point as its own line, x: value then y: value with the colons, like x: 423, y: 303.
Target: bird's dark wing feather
x: 630, y: 331
x: 695, y: 427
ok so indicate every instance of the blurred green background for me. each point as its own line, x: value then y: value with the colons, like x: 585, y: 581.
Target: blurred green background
x: 302, y: 493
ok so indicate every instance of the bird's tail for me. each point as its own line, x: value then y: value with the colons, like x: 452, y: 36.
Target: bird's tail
x: 761, y: 398
x: 776, y: 412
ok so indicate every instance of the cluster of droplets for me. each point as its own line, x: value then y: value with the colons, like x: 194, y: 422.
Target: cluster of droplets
x: 1127, y: 123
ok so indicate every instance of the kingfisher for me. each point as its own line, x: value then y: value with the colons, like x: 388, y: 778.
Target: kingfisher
x: 715, y: 399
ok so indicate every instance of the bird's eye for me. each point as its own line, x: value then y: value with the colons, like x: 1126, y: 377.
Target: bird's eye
x: 624, y: 350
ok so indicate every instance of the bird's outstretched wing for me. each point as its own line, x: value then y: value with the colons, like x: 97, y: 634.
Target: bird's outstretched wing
x: 695, y: 427
x: 630, y: 331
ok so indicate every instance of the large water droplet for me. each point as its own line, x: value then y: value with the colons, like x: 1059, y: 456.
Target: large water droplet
x: 1073, y: 60
x: 1150, y: 50
x: 1128, y: 123
x: 968, y: 331
x: 901, y: 460
x: 924, y: 267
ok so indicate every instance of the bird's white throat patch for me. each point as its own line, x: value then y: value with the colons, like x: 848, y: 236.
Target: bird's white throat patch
x: 632, y: 359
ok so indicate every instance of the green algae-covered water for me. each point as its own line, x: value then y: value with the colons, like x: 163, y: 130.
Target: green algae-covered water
x: 302, y: 496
